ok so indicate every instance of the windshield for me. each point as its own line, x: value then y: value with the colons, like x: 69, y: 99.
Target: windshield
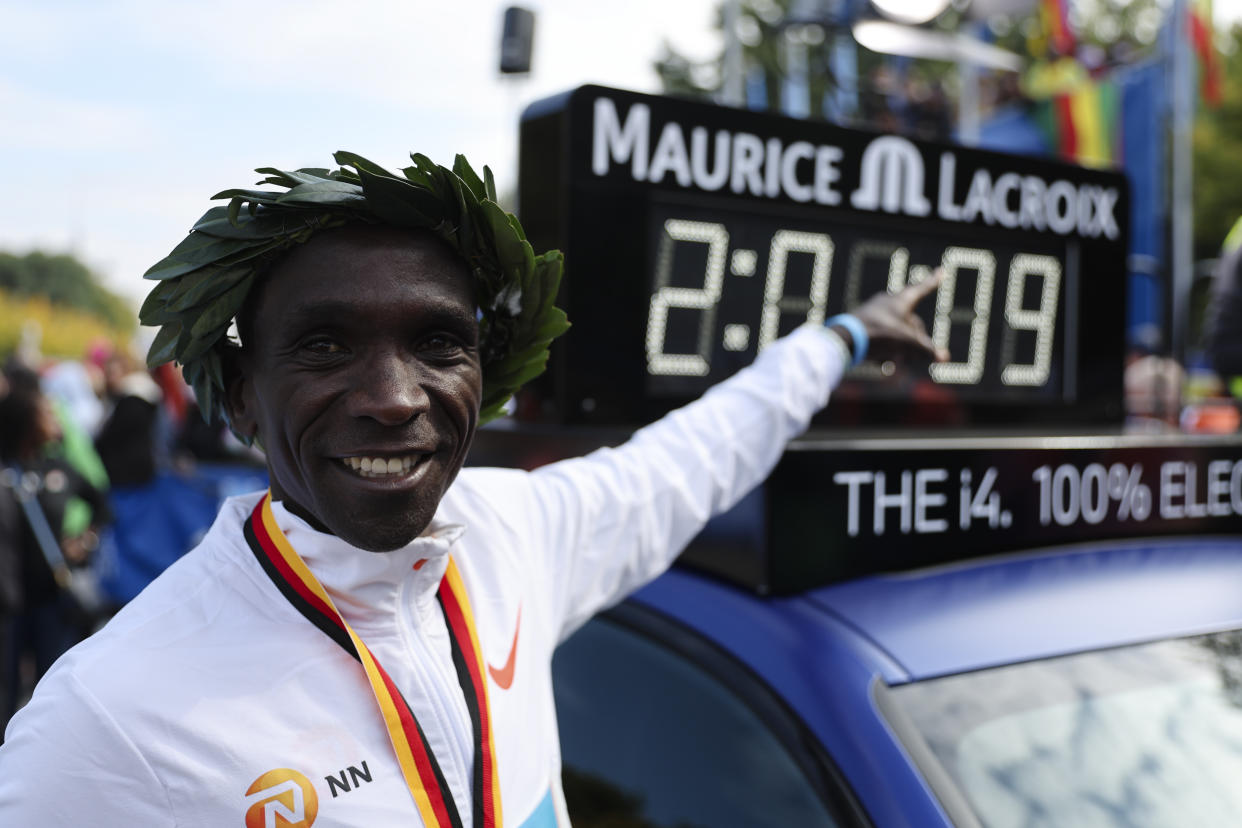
x: 1148, y: 735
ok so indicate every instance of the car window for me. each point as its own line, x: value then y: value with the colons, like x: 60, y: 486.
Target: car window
x: 651, y: 739
x: 1141, y: 736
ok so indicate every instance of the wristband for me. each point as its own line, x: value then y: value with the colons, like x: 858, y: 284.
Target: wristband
x: 858, y: 333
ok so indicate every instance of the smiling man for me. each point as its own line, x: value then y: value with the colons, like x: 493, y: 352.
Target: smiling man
x: 362, y: 377
x: 369, y: 642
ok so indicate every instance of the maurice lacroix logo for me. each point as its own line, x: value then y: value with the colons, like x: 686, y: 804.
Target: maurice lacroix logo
x: 891, y: 178
x: 892, y: 174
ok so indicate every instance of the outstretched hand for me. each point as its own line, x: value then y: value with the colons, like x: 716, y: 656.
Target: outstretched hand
x: 894, y: 329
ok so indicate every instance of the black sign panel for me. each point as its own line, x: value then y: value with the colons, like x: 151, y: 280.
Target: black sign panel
x: 696, y: 234
x: 836, y: 510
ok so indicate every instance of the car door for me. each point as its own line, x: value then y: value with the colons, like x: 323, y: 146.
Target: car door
x: 661, y: 728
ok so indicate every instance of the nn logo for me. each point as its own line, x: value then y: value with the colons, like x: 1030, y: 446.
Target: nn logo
x: 339, y: 782
x: 281, y: 798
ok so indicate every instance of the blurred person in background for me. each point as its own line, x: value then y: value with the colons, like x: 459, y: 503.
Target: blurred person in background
x: 71, y: 390
x: 1153, y: 392
x: 43, y: 621
x: 10, y: 567
x: 1222, y: 334
x: 129, y: 441
x: 75, y: 387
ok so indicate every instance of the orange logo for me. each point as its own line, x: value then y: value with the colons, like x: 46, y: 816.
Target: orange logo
x: 281, y: 798
x: 504, y: 676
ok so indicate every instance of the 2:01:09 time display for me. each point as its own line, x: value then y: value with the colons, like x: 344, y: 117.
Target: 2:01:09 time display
x: 726, y: 285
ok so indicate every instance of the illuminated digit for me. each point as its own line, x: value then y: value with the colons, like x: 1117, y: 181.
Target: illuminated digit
x: 948, y: 314
x: 898, y: 258
x: 702, y: 299
x: 1043, y: 321
x: 775, y: 302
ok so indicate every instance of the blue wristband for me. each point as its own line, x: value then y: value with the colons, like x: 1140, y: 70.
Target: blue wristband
x: 858, y: 332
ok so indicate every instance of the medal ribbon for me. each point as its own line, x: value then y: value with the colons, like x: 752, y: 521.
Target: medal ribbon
x: 422, y: 773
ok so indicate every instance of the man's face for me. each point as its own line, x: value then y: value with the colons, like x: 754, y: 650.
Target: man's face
x: 361, y: 380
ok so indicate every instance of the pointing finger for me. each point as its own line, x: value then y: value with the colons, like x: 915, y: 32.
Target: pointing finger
x: 919, y: 332
x: 913, y: 294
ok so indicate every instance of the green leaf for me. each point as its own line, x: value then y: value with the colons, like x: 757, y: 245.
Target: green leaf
x: 507, y: 365
x: 349, y: 159
x: 270, y: 223
x: 206, y: 250
x: 179, y: 287
x: 322, y: 192
x: 489, y: 184
x: 215, y: 283
x: 467, y: 174
x: 285, y: 178
x: 207, y: 396
x: 423, y: 167
x: 401, y: 203
x: 156, y: 302
x: 213, y: 214
x: 220, y: 313
x: 490, y: 410
x: 184, y: 250
x: 533, y: 368
x: 554, y: 324
x: 163, y: 346
x: 171, y: 270
x: 516, y: 226
x: 345, y: 189
x: 210, y: 388
x: 158, y: 316
x: 509, y: 247
x: 465, y: 224
x: 191, y: 348
x: 261, y: 196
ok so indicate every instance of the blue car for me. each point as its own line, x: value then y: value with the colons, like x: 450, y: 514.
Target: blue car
x: 1079, y: 684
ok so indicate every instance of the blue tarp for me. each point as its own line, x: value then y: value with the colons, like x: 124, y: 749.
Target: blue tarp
x: 157, y: 523
x: 1011, y: 129
x: 1144, y: 107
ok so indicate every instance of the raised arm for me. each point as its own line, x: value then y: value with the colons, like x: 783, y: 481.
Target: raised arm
x: 611, y: 521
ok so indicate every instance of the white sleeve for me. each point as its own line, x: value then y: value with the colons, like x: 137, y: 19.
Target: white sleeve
x: 607, y: 523
x: 65, y: 762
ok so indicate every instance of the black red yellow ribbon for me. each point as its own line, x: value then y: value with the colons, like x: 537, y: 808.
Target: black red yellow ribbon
x: 422, y: 773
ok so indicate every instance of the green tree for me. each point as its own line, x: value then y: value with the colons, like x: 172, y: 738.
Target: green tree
x: 1109, y: 29
x: 1218, y: 156
x: 66, y: 282
x: 766, y: 34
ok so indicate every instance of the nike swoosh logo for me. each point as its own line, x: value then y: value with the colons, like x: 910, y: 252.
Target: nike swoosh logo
x: 504, y: 676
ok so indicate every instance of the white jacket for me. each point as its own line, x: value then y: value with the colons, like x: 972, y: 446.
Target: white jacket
x: 209, y: 701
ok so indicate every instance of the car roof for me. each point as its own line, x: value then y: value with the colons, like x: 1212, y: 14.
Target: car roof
x: 988, y: 612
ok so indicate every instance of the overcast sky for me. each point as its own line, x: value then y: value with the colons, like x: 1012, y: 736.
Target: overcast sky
x: 120, y: 118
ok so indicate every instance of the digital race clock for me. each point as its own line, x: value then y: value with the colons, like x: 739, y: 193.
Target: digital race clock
x: 695, y: 235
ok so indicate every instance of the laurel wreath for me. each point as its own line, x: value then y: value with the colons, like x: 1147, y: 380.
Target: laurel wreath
x: 205, y: 280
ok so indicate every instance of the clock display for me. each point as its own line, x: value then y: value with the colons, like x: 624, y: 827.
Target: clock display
x: 724, y: 286
x: 695, y: 235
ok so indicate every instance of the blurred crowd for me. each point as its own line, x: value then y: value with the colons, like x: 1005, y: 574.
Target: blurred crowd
x: 109, y: 473
x: 906, y: 104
